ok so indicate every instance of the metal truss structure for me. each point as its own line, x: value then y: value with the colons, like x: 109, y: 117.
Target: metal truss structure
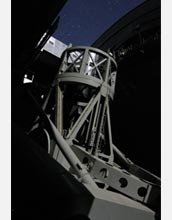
x: 80, y: 137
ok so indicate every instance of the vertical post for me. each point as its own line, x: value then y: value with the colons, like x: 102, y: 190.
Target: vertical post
x: 59, y: 110
x: 57, y: 154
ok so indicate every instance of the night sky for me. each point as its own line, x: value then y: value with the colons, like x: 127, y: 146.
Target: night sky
x: 83, y: 21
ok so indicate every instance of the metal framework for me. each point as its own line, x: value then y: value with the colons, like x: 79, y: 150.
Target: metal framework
x: 84, y: 86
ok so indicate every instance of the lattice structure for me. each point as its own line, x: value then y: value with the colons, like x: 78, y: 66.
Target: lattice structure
x: 81, y: 128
